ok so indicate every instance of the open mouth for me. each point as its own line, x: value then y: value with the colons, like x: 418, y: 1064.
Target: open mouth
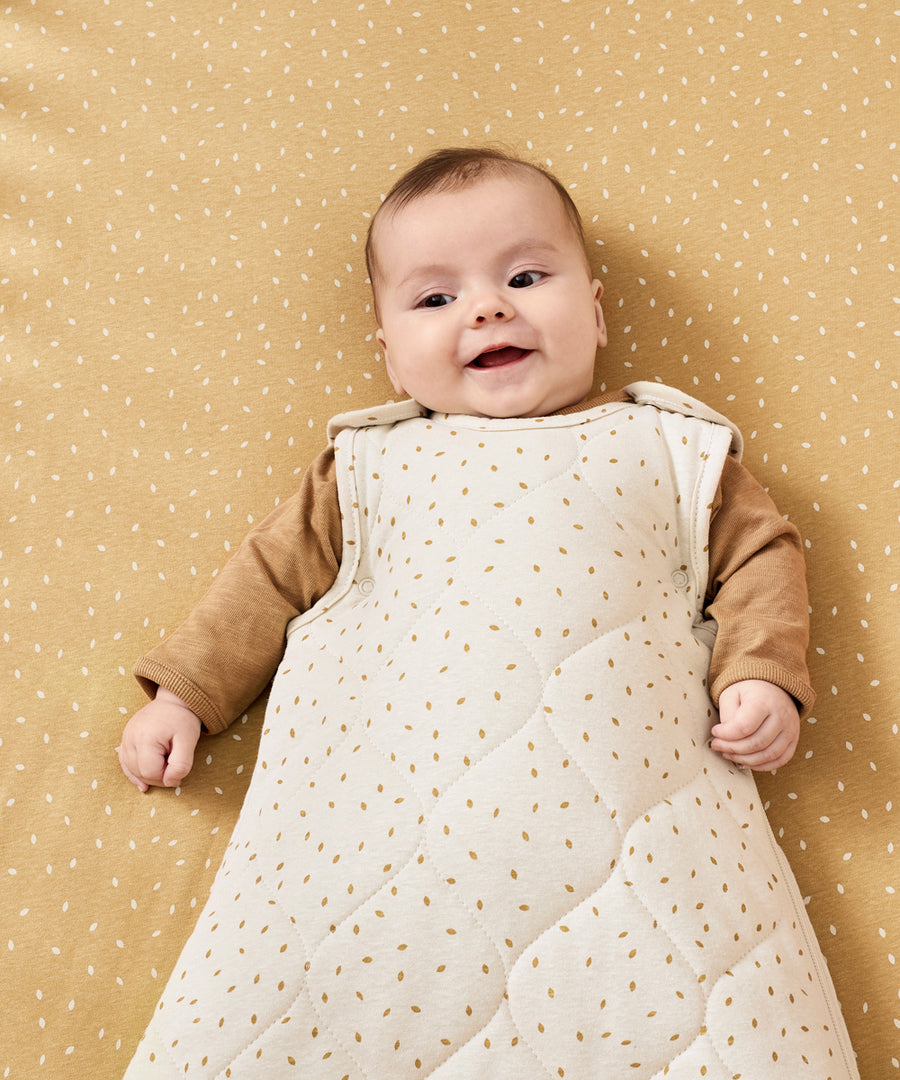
x: 509, y: 354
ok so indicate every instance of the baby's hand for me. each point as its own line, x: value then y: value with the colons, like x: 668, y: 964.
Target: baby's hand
x: 158, y: 742
x: 759, y: 725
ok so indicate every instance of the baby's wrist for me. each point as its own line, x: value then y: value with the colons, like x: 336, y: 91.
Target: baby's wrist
x: 166, y: 697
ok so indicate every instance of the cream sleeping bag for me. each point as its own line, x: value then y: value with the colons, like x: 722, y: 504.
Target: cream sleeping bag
x: 485, y: 836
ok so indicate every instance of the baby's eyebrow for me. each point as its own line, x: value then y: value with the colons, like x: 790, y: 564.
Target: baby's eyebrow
x: 518, y: 249
x: 422, y: 273
x: 529, y: 247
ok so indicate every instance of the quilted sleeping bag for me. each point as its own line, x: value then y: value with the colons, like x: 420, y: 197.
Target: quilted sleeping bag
x: 485, y: 836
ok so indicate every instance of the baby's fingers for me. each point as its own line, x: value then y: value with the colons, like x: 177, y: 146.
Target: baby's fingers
x: 143, y: 766
x: 770, y: 747
x: 744, y: 734
x: 140, y: 784
x: 179, y: 761
x: 759, y: 725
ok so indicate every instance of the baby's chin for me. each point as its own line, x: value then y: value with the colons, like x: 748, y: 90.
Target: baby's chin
x: 557, y: 404
x: 549, y: 408
x: 516, y: 403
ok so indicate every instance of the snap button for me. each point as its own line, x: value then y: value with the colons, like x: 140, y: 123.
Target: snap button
x: 366, y: 586
x: 679, y: 579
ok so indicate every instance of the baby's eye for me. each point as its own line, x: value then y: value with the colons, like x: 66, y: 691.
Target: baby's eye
x: 525, y: 278
x: 436, y: 300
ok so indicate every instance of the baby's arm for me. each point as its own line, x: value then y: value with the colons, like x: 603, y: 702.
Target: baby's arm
x: 759, y: 726
x: 757, y: 598
x: 220, y: 659
x: 158, y: 742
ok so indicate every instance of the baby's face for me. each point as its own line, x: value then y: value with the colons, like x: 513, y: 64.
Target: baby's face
x: 486, y: 300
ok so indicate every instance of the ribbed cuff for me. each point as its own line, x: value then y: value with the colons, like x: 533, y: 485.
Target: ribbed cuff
x: 152, y: 675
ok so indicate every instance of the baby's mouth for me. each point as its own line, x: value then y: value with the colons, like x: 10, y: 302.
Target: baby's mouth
x: 509, y: 354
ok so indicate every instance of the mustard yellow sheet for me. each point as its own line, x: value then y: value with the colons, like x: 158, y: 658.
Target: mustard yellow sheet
x: 184, y: 194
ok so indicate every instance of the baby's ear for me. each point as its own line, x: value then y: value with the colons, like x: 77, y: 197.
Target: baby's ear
x: 601, y: 322
x: 389, y: 367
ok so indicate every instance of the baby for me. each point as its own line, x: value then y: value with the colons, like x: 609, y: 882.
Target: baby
x: 487, y: 307
x: 495, y: 828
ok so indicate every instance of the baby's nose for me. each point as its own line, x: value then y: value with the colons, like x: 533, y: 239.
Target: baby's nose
x: 491, y: 307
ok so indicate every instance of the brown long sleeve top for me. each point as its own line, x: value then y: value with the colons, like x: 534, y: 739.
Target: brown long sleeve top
x: 221, y: 658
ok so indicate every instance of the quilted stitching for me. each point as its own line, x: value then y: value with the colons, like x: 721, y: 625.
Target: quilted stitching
x: 485, y: 836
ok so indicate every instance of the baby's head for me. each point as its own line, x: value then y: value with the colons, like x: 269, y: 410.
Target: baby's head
x: 483, y: 289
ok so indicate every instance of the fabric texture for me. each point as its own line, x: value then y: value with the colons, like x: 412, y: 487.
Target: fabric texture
x: 485, y: 817
x: 183, y: 305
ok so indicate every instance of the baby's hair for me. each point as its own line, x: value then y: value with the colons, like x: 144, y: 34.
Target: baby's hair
x: 459, y: 167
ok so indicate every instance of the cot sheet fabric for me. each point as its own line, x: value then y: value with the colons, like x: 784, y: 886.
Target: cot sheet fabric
x: 183, y: 300
x: 486, y: 836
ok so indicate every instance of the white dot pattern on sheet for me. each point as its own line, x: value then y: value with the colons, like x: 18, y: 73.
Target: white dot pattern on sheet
x: 183, y: 305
